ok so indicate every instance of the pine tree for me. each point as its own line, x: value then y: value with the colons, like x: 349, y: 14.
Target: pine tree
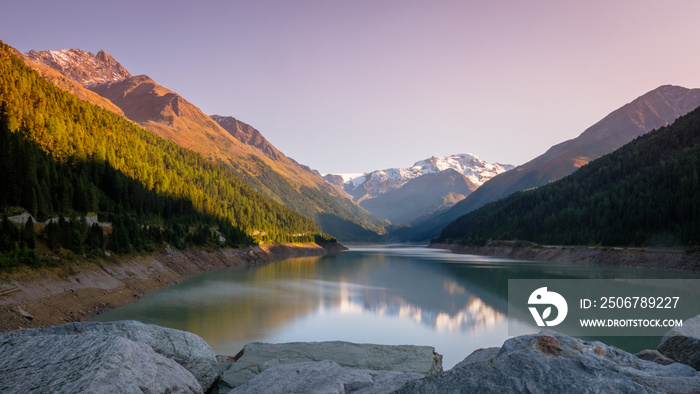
x: 28, y: 234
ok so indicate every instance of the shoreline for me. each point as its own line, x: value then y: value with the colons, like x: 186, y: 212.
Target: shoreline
x: 78, y: 291
x: 660, y: 259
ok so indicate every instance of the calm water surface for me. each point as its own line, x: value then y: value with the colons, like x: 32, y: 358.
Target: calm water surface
x: 388, y: 295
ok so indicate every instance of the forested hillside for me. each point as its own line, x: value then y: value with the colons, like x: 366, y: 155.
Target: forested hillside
x: 224, y: 139
x: 62, y: 156
x: 646, y: 193
x: 253, y: 159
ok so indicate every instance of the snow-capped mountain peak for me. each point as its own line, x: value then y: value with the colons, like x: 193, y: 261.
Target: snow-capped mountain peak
x: 402, y: 194
x: 468, y: 164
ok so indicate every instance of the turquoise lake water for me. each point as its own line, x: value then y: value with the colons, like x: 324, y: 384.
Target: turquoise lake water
x: 388, y: 295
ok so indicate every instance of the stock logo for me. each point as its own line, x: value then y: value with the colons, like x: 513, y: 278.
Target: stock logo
x: 543, y: 297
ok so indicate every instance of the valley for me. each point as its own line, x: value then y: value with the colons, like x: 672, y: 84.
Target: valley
x: 404, y: 203
x: 412, y: 203
x: 123, y: 200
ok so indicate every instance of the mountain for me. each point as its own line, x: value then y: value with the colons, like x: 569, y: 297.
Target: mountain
x: 404, y: 194
x: 80, y: 66
x: 67, y: 84
x: 374, y: 183
x: 657, y: 108
x: 421, y: 195
x: 248, y: 135
x: 170, y: 116
x: 337, y: 180
x: 238, y: 145
x: 643, y: 194
x: 69, y: 157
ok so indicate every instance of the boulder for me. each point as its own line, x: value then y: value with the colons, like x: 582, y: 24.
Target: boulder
x: 655, y: 356
x: 185, y: 348
x: 682, y: 344
x: 88, y: 363
x: 257, y: 357
x: 324, y: 377
x: 479, y: 355
x: 550, y: 362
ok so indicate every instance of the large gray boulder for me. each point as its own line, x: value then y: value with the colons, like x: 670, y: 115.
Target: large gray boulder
x: 88, y: 363
x: 185, y: 348
x: 682, y: 344
x: 258, y: 357
x: 478, y: 356
x: 554, y: 363
x: 324, y: 377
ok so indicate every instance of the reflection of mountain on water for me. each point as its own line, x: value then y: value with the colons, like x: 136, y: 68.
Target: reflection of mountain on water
x: 423, y: 293
x: 474, y: 316
x: 377, y: 283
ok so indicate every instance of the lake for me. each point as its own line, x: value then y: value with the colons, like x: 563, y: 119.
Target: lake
x: 387, y: 295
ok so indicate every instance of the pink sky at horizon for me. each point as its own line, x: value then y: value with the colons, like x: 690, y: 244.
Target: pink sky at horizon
x: 364, y: 85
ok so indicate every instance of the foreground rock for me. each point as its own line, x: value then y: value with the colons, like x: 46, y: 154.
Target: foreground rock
x: 324, y: 377
x: 554, y: 363
x: 258, y: 357
x: 186, y: 351
x: 682, y: 344
x: 88, y: 363
x: 129, y: 356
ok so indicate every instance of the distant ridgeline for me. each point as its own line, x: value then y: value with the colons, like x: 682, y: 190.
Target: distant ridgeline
x: 60, y: 156
x: 646, y: 193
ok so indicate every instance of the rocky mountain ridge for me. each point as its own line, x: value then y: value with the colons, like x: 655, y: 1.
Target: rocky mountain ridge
x: 80, y: 66
x: 167, y: 114
x: 69, y: 85
x: 248, y: 135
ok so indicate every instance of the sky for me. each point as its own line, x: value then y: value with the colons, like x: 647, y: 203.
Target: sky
x: 360, y: 85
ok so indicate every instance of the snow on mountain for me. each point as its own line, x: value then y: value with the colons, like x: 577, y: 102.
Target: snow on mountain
x: 352, y: 178
x: 405, y: 193
x: 349, y: 177
x: 471, y: 166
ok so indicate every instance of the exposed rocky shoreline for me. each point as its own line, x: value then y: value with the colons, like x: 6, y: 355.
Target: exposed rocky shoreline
x: 62, y: 295
x: 129, y: 356
x: 603, y: 256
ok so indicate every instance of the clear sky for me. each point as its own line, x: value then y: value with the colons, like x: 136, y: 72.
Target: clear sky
x: 359, y: 85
